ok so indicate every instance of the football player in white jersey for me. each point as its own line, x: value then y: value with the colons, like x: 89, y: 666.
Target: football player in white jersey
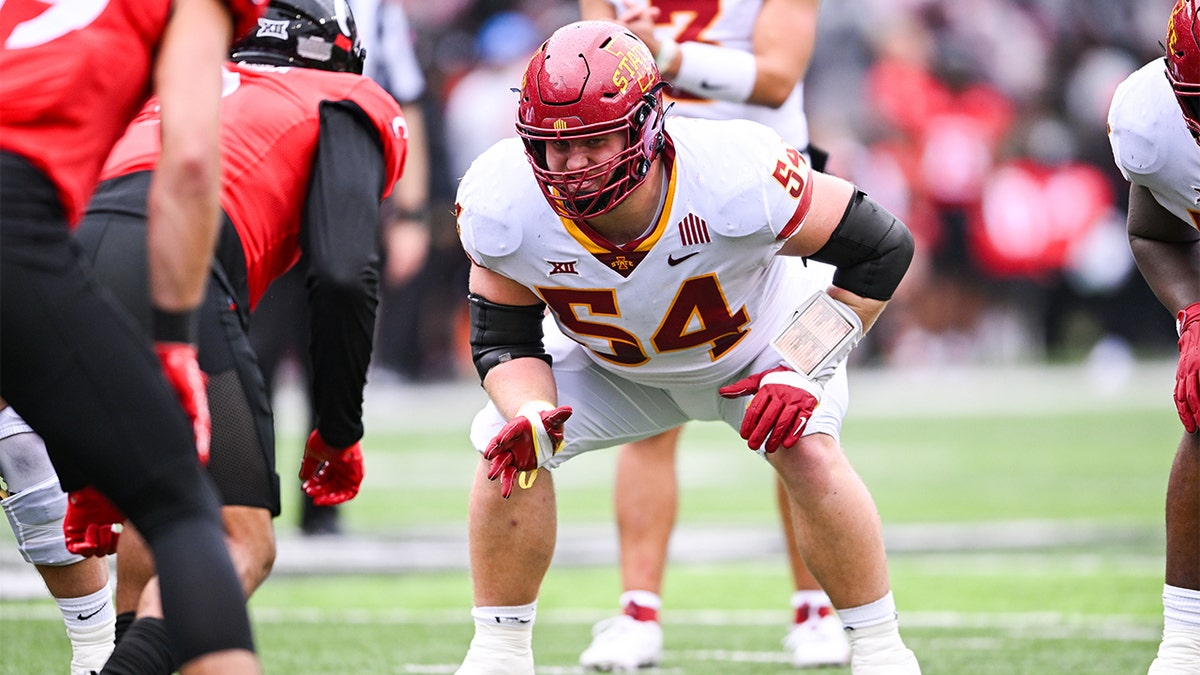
x: 725, y: 59
x: 1154, y: 122
x: 659, y: 246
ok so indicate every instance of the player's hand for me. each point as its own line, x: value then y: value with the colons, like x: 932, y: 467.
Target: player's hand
x: 783, y: 402
x: 92, y: 524
x: 331, y: 475
x: 1187, y: 373
x: 190, y: 384
x: 527, y: 442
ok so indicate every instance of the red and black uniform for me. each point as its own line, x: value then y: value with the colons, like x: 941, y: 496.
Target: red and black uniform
x: 307, y: 155
x: 71, y: 362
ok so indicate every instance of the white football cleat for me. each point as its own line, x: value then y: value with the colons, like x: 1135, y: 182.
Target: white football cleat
x: 1178, y: 654
x: 623, y: 644
x: 820, y: 641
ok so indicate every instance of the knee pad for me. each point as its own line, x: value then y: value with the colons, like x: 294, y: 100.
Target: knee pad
x: 24, y: 461
x: 36, y: 515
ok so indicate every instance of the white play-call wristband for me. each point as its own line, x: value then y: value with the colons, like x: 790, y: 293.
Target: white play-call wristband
x: 716, y: 72
x: 819, y: 337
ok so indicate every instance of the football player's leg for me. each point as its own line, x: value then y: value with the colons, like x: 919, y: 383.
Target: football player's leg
x: 838, y: 530
x: 1179, y: 651
x: 646, y: 500
x: 243, y: 469
x: 35, y: 505
x: 512, y: 541
x: 511, y: 544
x: 816, y: 637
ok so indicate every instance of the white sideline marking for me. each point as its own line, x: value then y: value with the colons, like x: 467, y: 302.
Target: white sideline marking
x: 1047, y: 625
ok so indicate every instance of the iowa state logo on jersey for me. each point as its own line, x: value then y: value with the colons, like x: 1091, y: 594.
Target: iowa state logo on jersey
x: 622, y: 262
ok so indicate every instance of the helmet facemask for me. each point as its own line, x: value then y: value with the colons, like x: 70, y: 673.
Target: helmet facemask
x: 589, y: 79
x: 1183, y: 62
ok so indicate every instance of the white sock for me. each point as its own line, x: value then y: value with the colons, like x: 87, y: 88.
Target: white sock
x: 870, y: 614
x: 1181, y: 607
x: 516, y: 615
x: 507, y: 630
x: 646, y: 599
x: 817, y: 598
x: 91, y: 626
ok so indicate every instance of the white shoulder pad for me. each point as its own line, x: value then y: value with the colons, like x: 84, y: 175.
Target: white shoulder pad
x: 492, y: 189
x: 1143, y: 112
x: 727, y: 168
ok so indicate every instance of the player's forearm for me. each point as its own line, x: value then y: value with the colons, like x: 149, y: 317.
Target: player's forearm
x: 514, y: 383
x: 183, y: 202
x: 867, y: 309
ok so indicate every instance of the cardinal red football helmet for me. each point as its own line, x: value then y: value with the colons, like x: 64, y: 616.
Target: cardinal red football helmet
x: 591, y: 78
x: 1183, y: 61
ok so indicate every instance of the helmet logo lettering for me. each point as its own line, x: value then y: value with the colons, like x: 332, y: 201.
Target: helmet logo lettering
x: 272, y: 28
x: 634, y: 66
x: 559, y: 125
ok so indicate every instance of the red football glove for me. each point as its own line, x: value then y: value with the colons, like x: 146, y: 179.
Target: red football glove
x: 190, y: 385
x: 331, y: 475
x: 1187, y: 373
x: 527, y: 442
x: 92, y: 524
x: 783, y: 401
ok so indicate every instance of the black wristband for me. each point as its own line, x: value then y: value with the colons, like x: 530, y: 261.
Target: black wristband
x: 174, y: 326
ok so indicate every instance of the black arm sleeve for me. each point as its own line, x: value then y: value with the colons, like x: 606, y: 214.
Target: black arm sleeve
x: 341, y: 241
x: 501, y: 333
x: 870, y: 247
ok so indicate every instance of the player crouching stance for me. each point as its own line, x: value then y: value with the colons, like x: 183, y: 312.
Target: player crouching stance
x: 670, y: 252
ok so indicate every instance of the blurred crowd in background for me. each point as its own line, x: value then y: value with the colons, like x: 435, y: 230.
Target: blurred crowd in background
x: 981, y: 123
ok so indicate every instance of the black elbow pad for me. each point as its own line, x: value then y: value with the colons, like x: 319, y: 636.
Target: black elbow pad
x: 870, y: 247
x: 501, y: 333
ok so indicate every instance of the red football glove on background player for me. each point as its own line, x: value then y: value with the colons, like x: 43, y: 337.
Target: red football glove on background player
x: 783, y: 402
x: 92, y: 524
x: 189, y: 382
x: 1187, y: 373
x: 527, y: 442
x: 331, y: 475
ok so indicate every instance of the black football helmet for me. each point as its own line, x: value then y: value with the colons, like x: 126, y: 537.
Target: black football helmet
x: 306, y: 34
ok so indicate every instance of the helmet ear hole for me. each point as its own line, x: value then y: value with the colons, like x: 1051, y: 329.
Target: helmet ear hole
x: 643, y: 114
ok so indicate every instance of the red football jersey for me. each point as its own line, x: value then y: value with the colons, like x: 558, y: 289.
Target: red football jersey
x: 270, y: 123
x: 63, y: 102
x: 75, y: 73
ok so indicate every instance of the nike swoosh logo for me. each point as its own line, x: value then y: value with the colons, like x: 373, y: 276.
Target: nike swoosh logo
x: 673, y: 261
x: 704, y: 84
x: 85, y: 617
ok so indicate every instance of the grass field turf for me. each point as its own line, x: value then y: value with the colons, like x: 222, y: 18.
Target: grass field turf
x: 1056, y: 605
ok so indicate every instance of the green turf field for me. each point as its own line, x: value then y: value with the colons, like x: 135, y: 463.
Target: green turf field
x: 1023, y: 542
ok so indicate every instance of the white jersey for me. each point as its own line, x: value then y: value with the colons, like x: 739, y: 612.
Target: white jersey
x: 1151, y: 144
x: 694, y: 300
x: 730, y: 24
